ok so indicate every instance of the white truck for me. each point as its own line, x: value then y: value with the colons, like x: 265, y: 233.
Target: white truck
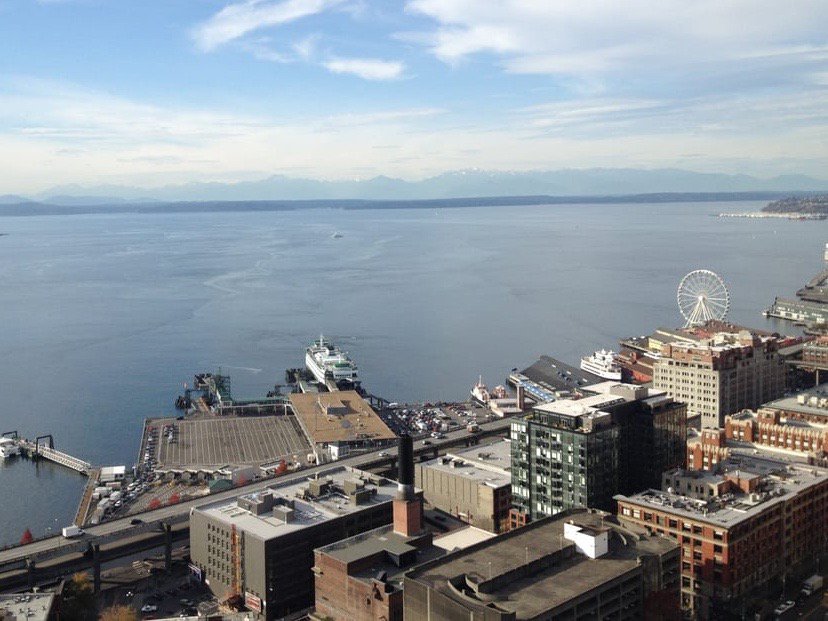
x: 72, y: 531
x: 811, y: 585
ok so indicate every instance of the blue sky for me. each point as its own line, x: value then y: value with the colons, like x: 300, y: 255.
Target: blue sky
x: 157, y: 92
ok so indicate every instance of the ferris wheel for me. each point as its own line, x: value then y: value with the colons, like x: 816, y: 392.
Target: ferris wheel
x: 702, y: 296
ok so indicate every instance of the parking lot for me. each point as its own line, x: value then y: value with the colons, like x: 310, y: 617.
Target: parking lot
x: 423, y: 419
x: 220, y: 441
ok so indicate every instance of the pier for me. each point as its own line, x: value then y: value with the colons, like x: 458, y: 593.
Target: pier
x: 38, y: 450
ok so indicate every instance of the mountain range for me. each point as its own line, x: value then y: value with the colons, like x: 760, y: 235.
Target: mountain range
x: 606, y: 182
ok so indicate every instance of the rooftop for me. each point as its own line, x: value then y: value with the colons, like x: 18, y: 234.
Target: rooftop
x: 579, y: 407
x: 780, y: 480
x: 462, y: 538
x: 459, y: 466
x: 496, y: 457
x: 489, y: 572
x: 302, y: 504
x: 813, y: 401
x: 558, y: 376
x: 342, y: 416
x: 26, y: 606
x: 390, y: 554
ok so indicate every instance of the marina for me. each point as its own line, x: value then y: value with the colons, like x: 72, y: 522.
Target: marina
x: 810, y: 307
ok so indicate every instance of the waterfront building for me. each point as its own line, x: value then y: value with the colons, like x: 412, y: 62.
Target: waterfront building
x: 259, y: 546
x: 744, y: 528
x: 581, y: 452
x: 340, y: 423
x: 723, y: 375
x: 474, y: 485
x: 576, y: 565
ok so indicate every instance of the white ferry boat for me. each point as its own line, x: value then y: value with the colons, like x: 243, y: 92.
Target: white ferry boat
x: 603, y: 364
x: 326, y: 361
x: 8, y: 448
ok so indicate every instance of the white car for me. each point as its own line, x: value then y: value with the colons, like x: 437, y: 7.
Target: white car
x: 781, y: 609
x: 382, y: 454
x: 149, y: 608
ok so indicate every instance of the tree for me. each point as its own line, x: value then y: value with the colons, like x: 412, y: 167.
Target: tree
x: 118, y: 612
x: 26, y: 538
x: 78, y: 598
x: 174, y: 499
x: 154, y: 504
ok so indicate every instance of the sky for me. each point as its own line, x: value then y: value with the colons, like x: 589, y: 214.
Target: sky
x: 155, y: 92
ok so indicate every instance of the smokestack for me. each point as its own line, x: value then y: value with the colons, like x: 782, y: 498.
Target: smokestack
x: 408, y: 509
x: 405, y: 468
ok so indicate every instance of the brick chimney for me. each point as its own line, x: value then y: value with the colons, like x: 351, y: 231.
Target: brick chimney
x: 408, y: 509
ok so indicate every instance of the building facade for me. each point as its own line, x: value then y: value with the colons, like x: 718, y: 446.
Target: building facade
x: 581, y: 452
x: 259, y: 547
x: 474, y: 485
x: 743, y: 528
x: 563, y: 457
x: 724, y: 375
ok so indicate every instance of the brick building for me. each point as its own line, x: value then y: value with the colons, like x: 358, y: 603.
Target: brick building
x: 723, y: 375
x: 743, y: 528
x: 354, y: 578
x: 794, y: 426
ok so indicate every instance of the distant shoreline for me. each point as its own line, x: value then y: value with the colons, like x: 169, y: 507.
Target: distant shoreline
x: 49, y: 209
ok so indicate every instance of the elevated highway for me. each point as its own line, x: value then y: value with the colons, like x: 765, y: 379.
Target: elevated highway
x: 20, y: 565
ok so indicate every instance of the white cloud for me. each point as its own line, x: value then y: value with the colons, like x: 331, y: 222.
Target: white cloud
x: 305, y: 48
x: 367, y: 68
x: 597, y: 36
x: 241, y: 18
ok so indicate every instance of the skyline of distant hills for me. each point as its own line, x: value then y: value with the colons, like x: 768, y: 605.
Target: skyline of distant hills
x: 458, y: 184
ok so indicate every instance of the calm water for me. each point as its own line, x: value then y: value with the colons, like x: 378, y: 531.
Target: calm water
x: 103, y: 317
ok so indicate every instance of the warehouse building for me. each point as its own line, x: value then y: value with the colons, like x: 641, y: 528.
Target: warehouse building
x: 339, y: 423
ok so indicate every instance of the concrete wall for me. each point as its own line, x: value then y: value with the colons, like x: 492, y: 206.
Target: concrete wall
x: 457, y: 494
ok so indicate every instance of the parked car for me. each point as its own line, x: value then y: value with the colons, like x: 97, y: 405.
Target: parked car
x: 784, y: 607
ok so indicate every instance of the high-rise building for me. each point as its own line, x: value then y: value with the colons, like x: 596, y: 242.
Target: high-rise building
x: 259, y: 547
x: 723, y: 375
x: 576, y: 565
x: 744, y: 528
x: 564, y: 455
x: 581, y: 452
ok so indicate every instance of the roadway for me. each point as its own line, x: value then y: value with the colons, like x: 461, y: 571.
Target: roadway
x: 111, y: 532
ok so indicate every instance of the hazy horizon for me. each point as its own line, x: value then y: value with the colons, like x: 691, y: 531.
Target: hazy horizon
x: 233, y: 91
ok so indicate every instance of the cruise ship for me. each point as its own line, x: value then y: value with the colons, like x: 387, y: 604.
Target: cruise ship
x: 8, y: 448
x: 327, y: 362
x: 603, y: 364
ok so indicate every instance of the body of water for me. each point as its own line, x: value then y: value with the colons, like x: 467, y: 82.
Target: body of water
x: 104, y: 316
